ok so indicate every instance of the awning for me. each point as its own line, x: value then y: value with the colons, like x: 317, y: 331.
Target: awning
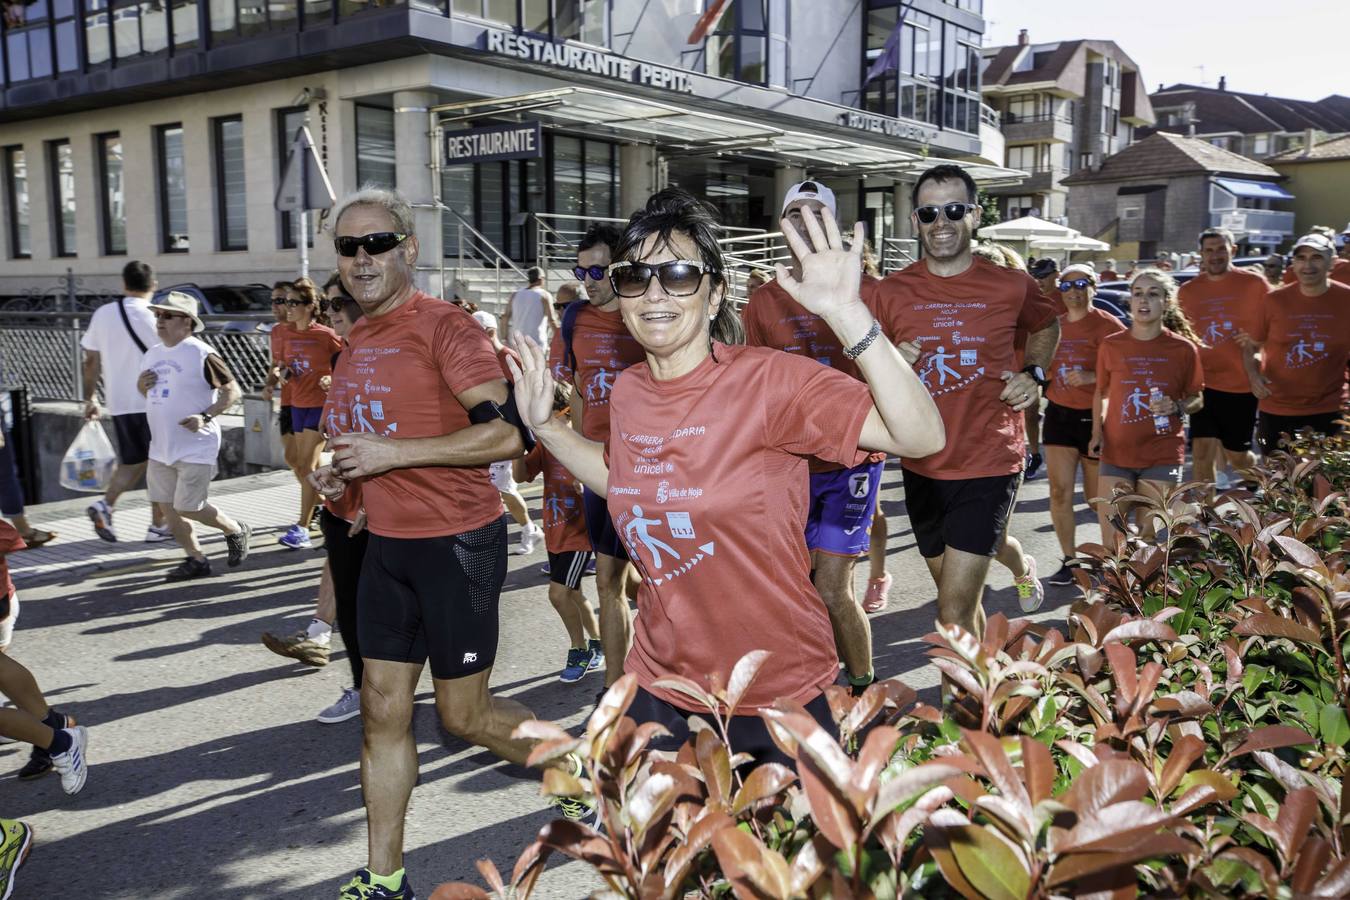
x: 1079, y: 243
x: 692, y: 131
x: 1255, y: 190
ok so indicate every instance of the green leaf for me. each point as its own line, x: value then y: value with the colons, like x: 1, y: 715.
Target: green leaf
x: 1333, y: 725
x: 1253, y: 677
x: 989, y: 863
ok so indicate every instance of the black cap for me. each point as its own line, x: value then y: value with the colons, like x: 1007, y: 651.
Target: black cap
x: 1042, y: 267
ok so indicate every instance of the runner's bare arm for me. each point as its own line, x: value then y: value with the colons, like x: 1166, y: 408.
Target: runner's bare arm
x: 1021, y: 390
x: 1098, y: 408
x: 90, y: 372
x: 904, y: 421
x: 363, y: 454
x: 534, y: 398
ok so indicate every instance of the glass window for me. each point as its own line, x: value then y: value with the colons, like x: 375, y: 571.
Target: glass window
x: 184, y: 24
x: 288, y: 122
x: 880, y: 94
x: 738, y: 45
x: 231, y: 199
x: 172, y: 172
x: 61, y: 162
x: 375, y: 154
x: 581, y: 20
x: 568, y: 180
x: 140, y: 27
x: 16, y: 195
x: 356, y: 7
x: 535, y: 15
x: 318, y: 12
x: 114, y: 211
x: 222, y: 20
x: 456, y: 193
x: 96, y: 20
x: 599, y: 179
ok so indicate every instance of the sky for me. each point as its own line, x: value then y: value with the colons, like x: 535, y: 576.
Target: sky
x: 1251, y: 42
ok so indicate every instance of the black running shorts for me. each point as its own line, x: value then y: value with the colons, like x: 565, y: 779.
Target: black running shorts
x: 433, y: 598
x: 1065, y: 426
x: 133, y: 438
x: 284, y: 423
x: 969, y: 514
x: 1228, y: 417
x: 568, y: 568
x: 1269, y: 427
x: 604, y: 539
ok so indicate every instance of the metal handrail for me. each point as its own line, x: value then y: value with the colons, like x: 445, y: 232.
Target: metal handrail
x: 896, y: 253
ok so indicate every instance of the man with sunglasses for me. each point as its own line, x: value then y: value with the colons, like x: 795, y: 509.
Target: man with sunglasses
x: 957, y: 319
x: 843, y: 500
x: 186, y: 385
x: 422, y: 410
x: 1224, y: 304
x: 591, y: 347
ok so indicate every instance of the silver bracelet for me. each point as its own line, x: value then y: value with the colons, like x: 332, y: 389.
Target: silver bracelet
x: 872, y: 334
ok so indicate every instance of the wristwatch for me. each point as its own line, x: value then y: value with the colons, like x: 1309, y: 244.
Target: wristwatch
x: 1038, y: 375
x: 206, y: 416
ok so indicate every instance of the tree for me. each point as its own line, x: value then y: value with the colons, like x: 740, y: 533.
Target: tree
x: 989, y: 214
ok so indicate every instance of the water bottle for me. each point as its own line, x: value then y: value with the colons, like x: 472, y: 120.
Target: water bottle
x: 1161, y: 424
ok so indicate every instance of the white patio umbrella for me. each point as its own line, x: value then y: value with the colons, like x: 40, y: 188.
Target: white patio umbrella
x: 1026, y: 228
x: 1078, y: 242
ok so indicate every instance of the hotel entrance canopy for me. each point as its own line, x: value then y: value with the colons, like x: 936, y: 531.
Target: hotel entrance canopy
x: 692, y: 132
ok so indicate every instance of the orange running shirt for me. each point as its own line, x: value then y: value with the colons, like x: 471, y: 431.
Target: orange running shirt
x: 1127, y: 371
x: 277, y: 340
x: 708, y: 490
x: 1307, y: 344
x: 603, y: 348
x: 966, y: 326
x: 308, y: 355
x: 399, y: 379
x: 773, y: 319
x: 564, y: 518
x: 1219, y: 309
x: 10, y: 541
x: 1078, y: 345
x: 336, y: 420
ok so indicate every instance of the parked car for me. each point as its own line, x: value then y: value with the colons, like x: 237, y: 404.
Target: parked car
x: 253, y: 300
x: 1117, y: 303
x: 1181, y: 276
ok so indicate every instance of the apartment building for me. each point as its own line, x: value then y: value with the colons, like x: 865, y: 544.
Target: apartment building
x: 1254, y: 125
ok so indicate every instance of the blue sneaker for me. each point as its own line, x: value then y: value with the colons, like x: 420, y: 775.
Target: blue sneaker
x: 296, y: 538
x: 360, y: 888
x: 577, y: 661
x: 597, y: 656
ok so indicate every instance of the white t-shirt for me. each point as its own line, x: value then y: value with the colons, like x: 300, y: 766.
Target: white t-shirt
x: 180, y: 391
x: 528, y: 315
x: 119, y: 357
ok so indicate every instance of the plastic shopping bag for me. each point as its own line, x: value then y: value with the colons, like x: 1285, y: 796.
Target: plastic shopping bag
x: 89, y: 461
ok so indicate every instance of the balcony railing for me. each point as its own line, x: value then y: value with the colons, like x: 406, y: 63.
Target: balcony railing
x: 1249, y: 220
x: 1016, y: 119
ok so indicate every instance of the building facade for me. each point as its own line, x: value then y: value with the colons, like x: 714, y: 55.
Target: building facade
x: 1158, y: 194
x: 1254, y: 125
x: 1319, y: 178
x: 1064, y: 106
x: 159, y: 131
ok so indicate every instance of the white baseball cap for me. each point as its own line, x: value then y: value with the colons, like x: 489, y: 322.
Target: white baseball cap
x: 486, y: 319
x: 1319, y: 242
x: 810, y: 190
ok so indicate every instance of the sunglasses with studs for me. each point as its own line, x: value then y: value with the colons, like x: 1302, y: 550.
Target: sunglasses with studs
x: 1081, y: 283
x: 954, y: 211
x: 374, y: 244
x: 594, y: 273
x: 678, y: 278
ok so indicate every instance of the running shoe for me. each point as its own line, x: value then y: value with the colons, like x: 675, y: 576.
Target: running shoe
x: 1030, y: 591
x: 577, y: 809
x: 101, y: 515
x: 296, y: 538
x: 530, y: 535
x: 238, y: 544
x: 7, y: 626
x: 312, y: 651
x: 1063, y: 576
x: 361, y: 888
x: 590, y: 566
x: 597, y: 655
x: 39, y: 760
x: 348, y: 706
x: 545, y: 570
x: 158, y: 534
x: 878, y: 593
x: 1033, y: 466
x: 577, y: 662
x: 73, y: 764
x: 18, y: 840
x: 188, y: 569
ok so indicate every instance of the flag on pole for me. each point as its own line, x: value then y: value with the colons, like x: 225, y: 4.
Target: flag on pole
x: 889, y: 60
x: 707, y: 20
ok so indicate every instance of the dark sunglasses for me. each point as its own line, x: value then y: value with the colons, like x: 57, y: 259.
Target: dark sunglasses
x: 160, y: 314
x: 953, y: 211
x: 335, y: 304
x: 278, y: 301
x: 594, y: 273
x: 374, y: 244
x: 1081, y: 283
x: 678, y: 278
x: 290, y: 302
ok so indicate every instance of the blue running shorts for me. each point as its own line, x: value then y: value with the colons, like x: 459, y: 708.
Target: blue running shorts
x: 842, y: 503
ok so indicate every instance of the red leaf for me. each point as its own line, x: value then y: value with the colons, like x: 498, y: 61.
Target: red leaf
x: 1270, y: 625
x: 1294, y: 822
x: 743, y: 674
x: 1270, y: 737
x: 1080, y: 865
x: 1184, y: 752
x: 989, y: 753
x: 830, y: 808
x: 765, y: 781
x: 1299, y: 552
x: 1140, y: 630
x: 613, y: 705
x: 1113, y: 827
x: 754, y: 870
x: 1110, y: 781
x: 1038, y: 769
x: 700, y: 836
x: 715, y: 762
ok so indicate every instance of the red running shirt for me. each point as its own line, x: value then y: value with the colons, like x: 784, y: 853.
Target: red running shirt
x: 1078, y: 345
x: 564, y: 518
x: 1307, y: 343
x: 277, y: 342
x: 1127, y: 371
x: 399, y: 379
x: 603, y: 348
x: 1220, y: 308
x: 966, y: 326
x: 308, y: 354
x: 708, y: 490
x: 335, y: 420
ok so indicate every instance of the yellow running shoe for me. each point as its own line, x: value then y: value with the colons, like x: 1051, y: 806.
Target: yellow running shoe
x: 18, y: 840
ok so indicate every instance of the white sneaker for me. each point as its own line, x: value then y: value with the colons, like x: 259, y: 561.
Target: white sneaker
x: 347, y: 706
x: 530, y: 535
x: 158, y: 534
x: 72, y: 765
x: 7, y: 626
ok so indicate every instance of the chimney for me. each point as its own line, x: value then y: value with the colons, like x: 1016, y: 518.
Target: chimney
x: 1023, y: 38
x: 1223, y: 83
x: 1309, y: 138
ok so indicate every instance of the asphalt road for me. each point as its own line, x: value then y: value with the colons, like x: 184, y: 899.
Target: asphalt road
x: 209, y: 777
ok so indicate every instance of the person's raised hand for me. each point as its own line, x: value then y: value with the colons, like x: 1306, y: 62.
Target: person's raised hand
x: 327, y: 482
x: 533, y: 383
x: 831, y: 276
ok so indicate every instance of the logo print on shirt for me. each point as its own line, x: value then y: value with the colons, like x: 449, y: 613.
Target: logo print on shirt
x: 640, y: 528
x: 937, y: 363
x: 560, y: 510
x: 1217, y: 332
x: 1305, y: 352
x: 599, y: 386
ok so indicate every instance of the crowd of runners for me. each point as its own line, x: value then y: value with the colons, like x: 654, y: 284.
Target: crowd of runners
x: 716, y: 467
